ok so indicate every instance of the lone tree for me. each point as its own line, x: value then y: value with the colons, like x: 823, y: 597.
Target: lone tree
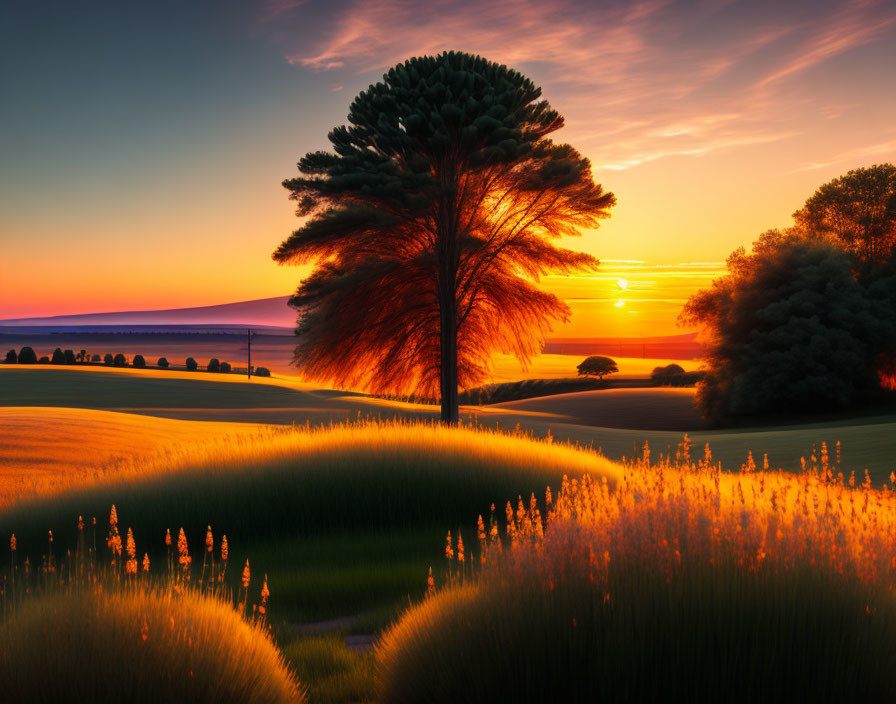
x: 858, y: 210
x: 597, y: 366
x: 430, y: 223
x: 139, y: 362
x: 11, y: 357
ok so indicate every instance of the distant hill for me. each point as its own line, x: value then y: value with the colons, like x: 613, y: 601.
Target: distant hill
x: 268, y: 312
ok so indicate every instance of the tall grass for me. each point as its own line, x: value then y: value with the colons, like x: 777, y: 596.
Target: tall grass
x: 290, y: 484
x: 138, y: 646
x: 683, y: 584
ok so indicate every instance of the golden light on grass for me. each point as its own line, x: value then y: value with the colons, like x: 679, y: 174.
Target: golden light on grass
x: 658, y: 585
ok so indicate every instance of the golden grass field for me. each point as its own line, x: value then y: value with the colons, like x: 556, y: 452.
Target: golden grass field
x: 344, y: 511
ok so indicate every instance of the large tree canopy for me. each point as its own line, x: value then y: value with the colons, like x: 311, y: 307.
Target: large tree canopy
x: 789, y: 328
x: 857, y: 210
x: 430, y: 223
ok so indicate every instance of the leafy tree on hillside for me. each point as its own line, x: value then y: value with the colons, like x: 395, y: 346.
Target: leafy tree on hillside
x: 225, y: 367
x: 139, y: 362
x: 162, y: 363
x: 11, y: 357
x: 96, y: 358
x: 788, y: 328
x: 597, y: 366
x: 214, y: 365
x: 858, y: 210
x: 27, y: 356
x: 58, y: 357
x: 81, y: 356
x: 191, y: 364
x: 69, y: 356
x: 108, y: 359
x: 119, y: 360
x: 429, y: 222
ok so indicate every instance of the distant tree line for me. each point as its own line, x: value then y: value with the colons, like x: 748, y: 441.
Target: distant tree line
x: 27, y: 355
x: 806, y: 321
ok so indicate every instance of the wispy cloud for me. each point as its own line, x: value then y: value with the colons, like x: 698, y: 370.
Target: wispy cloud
x: 637, y: 81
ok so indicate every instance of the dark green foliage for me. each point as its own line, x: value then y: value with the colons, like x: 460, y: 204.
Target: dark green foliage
x: 11, y: 357
x: 674, y: 375
x: 225, y: 367
x: 597, y: 366
x: 120, y: 360
x: 139, y: 362
x: 27, y: 356
x: 262, y: 371
x: 58, y: 357
x: 96, y: 358
x: 428, y: 222
x: 44, y: 360
x: 108, y: 359
x: 858, y: 211
x: 162, y: 363
x: 528, y: 388
x: 191, y: 364
x: 82, y: 356
x: 69, y: 356
x: 214, y: 365
x: 791, y: 329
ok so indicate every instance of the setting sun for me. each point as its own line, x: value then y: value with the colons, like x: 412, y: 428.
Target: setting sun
x: 622, y: 283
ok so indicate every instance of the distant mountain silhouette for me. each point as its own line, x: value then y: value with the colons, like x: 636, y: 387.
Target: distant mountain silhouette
x: 268, y: 312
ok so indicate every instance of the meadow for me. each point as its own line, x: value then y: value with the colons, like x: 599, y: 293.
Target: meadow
x: 346, y: 520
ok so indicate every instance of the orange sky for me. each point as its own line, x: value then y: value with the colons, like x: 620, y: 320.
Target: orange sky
x: 142, y: 159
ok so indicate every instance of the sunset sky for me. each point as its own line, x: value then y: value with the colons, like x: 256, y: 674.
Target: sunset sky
x: 143, y: 144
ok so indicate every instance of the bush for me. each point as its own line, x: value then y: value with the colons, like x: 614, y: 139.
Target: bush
x: 69, y: 356
x: 670, y: 375
x: 214, y: 365
x: 792, y: 329
x: 88, y: 646
x: 96, y: 358
x: 262, y: 371
x: 597, y: 366
x: 27, y: 356
x: 58, y: 357
x: 139, y: 362
x: 191, y: 364
x: 225, y: 367
x: 108, y: 359
x: 120, y: 360
x: 44, y: 360
x: 162, y: 363
x: 11, y: 357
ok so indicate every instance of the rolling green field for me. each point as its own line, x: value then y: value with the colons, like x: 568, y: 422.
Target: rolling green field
x: 617, y: 421
x: 344, y: 520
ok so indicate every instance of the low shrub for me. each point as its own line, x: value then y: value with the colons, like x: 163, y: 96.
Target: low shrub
x: 262, y: 371
x: 12, y: 357
x: 58, y: 357
x: 214, y: 365
x: 139, y: 362
x: 119, y: 360
x: 108, y: 359
x: 192, y: 366
x: 69, y: 356
x: 162, y: 363
x: 97, y: 646
x: 27, y: 356
x: 44, y: 360
x: 96, y: 358
x: 225, y: 367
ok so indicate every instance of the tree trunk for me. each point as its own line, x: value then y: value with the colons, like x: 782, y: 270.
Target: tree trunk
x: 448, y: 347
